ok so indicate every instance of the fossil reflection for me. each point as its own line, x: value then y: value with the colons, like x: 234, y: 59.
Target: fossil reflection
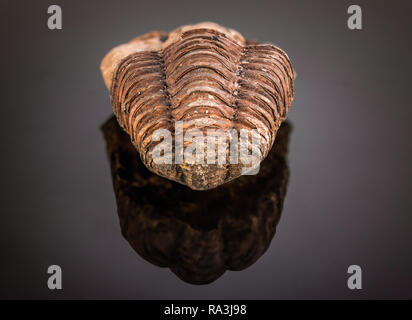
x: 197, y: 234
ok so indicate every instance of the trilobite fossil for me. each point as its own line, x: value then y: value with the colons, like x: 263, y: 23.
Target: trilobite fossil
x: 199, y: 81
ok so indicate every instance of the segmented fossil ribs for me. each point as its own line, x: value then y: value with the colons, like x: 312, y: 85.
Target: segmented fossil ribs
x: 206, y: 76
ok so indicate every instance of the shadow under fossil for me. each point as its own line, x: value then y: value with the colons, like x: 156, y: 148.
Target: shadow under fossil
x: 197, y: 234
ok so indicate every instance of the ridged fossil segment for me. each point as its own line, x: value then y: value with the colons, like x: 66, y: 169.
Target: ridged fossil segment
x: 205, y: 77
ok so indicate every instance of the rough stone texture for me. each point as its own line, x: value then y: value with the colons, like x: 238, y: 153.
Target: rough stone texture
x: 197, y: 234
x: 207, y: 76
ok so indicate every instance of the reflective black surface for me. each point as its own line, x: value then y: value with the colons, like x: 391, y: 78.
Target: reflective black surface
x: 197, y: 234
x: 348, y: 198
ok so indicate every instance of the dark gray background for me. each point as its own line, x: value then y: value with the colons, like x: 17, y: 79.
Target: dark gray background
x: 348, y: 200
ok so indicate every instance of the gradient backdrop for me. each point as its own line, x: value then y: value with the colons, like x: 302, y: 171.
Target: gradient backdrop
x: 348, y: 200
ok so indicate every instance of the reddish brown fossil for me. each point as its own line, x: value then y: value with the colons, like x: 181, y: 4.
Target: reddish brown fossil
x: 205, y: 77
